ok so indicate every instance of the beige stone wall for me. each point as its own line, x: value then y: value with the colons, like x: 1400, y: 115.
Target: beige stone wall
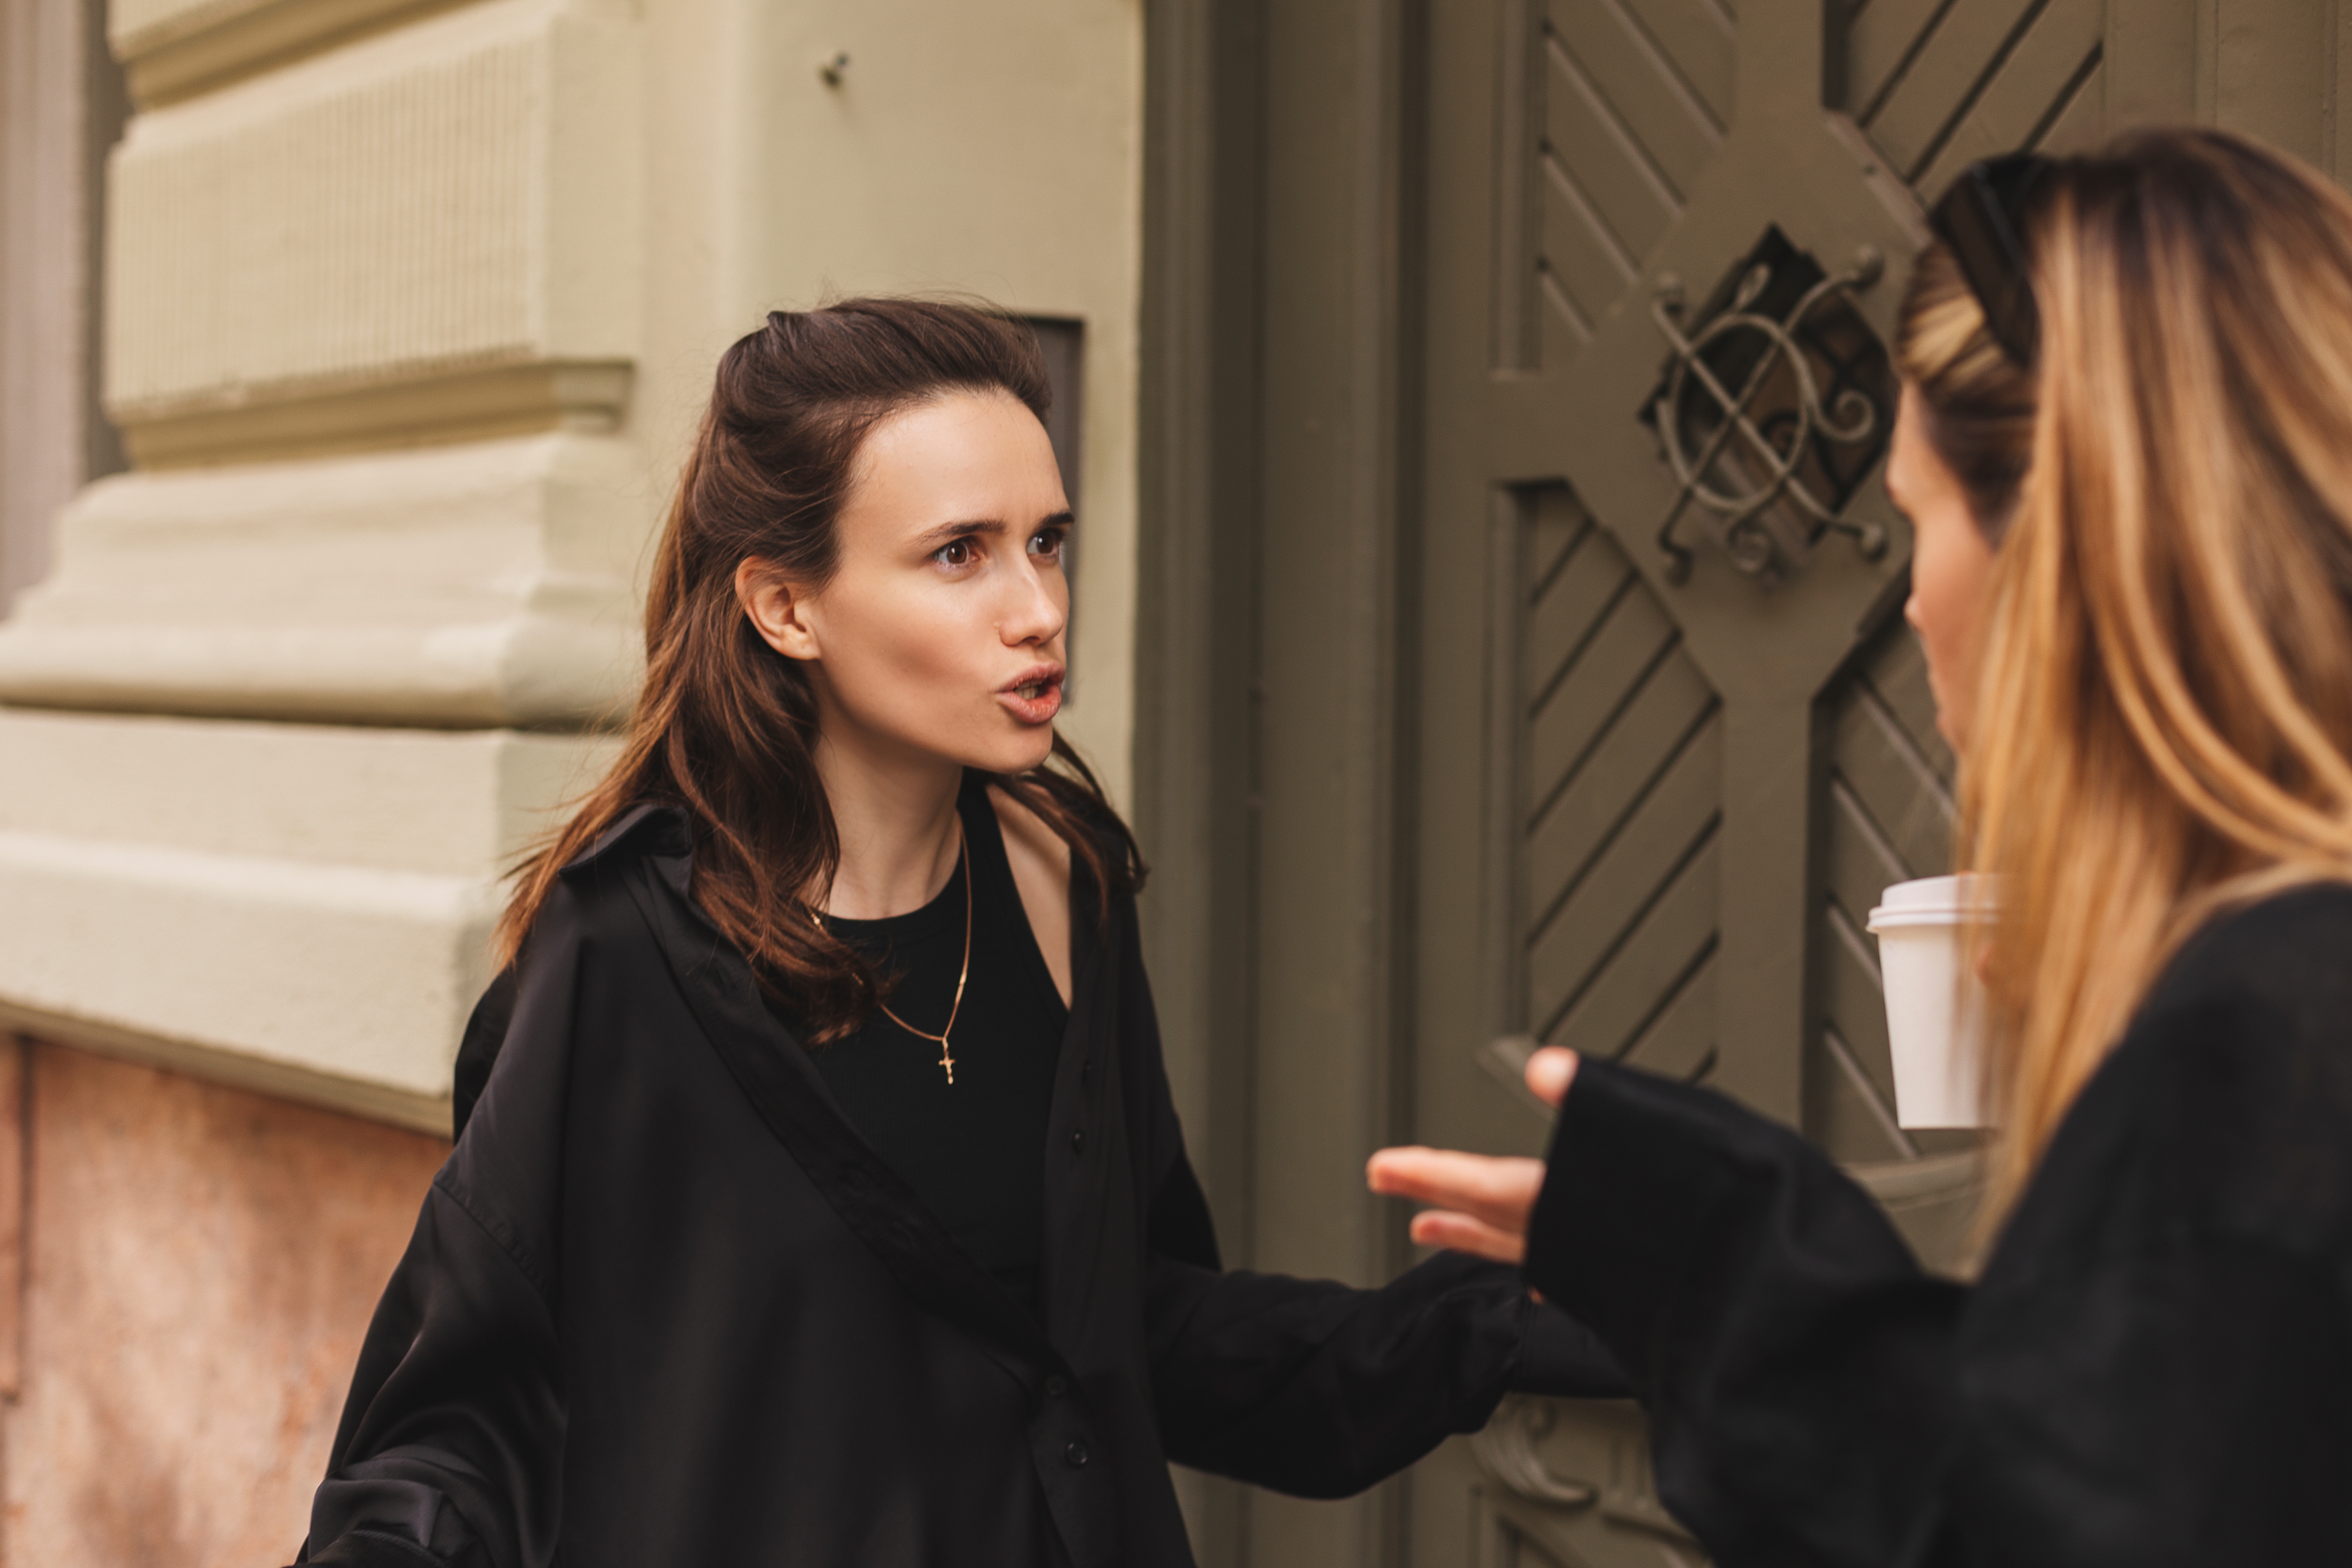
x: 410, y: 310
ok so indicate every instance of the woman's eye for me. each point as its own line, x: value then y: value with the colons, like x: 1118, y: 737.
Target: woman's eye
x: 1048, y: 544
x: 956, y: 552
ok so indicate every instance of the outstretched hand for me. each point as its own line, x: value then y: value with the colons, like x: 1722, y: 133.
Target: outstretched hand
x: 1481, y: 1203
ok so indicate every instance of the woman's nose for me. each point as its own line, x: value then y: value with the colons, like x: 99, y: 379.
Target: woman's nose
x: 1037, y: 613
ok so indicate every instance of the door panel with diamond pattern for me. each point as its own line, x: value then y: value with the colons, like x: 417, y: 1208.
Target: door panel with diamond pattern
x: 1705, y: 742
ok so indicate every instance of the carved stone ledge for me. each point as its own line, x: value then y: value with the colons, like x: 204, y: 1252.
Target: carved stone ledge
x: 172, y: 49
x: 476, y: 585
x: 300, y: 911
x: 466, y: 405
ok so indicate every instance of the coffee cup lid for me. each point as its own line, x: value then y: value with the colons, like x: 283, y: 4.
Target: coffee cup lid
x: 1935, y: 901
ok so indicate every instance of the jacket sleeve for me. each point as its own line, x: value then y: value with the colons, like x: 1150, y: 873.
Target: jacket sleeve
x: 2155, y: 1370
x: 1796, y: 1363
x: 1309, y: 1386
x: 452, y: 1441
x: 1320, y: 1390
x: 450, y: 1449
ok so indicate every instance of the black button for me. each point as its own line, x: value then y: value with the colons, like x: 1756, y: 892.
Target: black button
x: 1077, y: 1456
x: 1078, y: 1140
x: 1058, y: 1385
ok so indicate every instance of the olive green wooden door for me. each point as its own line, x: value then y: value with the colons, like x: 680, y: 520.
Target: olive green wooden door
x: 1703, y: 741
x: 1499, y: 681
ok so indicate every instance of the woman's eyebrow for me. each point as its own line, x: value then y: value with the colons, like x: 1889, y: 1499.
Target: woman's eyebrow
x: 947, y: 533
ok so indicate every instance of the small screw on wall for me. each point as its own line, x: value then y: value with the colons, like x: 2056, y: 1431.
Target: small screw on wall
x: 831, y: 72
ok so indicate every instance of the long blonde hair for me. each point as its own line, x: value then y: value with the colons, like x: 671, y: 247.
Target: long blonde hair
x: 2163, y: 724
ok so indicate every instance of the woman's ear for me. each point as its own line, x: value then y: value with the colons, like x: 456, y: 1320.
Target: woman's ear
x: 777, y: 612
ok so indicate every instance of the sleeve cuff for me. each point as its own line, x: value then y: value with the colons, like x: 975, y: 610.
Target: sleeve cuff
x: 1635, y: 1173
x: 1561, y: 1358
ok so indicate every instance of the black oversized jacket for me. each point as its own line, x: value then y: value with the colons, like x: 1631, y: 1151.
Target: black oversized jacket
x: 664, y: 1306
x: 2155, y: 1369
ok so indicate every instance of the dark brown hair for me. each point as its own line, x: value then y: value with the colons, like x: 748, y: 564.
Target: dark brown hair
x: 725, y: 727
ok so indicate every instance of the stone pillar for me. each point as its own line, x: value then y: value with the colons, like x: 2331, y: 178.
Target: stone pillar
x: 298, y: 684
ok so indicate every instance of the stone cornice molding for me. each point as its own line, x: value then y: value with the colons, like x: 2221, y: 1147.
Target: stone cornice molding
x: 263, y: 423
x: 170, y: 49
x: 430, y: 235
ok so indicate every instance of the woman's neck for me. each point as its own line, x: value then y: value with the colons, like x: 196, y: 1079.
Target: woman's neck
x: 899, y: 833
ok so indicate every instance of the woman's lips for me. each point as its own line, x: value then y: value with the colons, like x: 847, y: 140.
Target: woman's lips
x: 1034, y: 700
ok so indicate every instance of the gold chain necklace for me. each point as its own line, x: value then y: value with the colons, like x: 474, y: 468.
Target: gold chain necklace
x: 947, y: 1055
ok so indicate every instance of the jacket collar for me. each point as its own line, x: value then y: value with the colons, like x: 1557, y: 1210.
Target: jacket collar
x: 652, y: 827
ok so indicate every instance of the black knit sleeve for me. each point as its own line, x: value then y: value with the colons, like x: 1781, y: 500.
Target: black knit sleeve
x: 1796, y: 1363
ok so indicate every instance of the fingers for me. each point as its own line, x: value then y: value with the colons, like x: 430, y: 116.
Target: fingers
x: 1499, y: 1192
x: 1462, y: 1233
x: 1550, y: 1072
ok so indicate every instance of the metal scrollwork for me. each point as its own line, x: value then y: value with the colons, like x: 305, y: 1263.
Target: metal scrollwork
x: 1507, y: 1447
x: 1742, y: 466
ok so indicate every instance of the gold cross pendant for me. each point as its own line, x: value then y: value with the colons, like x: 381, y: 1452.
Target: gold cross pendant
x: 947, y: 1060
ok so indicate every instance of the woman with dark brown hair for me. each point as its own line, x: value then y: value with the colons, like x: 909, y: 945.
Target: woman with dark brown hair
x: 818, y: 1198
x: 2125, y: 448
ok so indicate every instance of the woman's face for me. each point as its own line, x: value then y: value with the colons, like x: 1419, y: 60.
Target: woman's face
x: 940, y: 637
x: 1951, y: 568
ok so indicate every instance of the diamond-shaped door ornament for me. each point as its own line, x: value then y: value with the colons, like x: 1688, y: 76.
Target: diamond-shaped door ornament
x: 1775, y: 402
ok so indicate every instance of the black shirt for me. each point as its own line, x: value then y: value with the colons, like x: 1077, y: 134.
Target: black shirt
x: 665, y: 1305
x: 2155, y: 1368
x: 971, y: 1149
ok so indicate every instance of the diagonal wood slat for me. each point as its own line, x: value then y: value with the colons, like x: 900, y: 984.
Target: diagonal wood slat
x: 2028, y: 89
x: 1603, y: 158
x: 1966, y: 48
x: 1584, y: 271
x: 1699, y: 40
x: 1897, y: 670
x: 1901, y: 794
x: 1620, y: 757
x: 1641, y: 88
x: 1557, y: 525
x: 1562, y: 620
x: 1880, y: 42
x: 1634, y: 100
x: 1633, y: 636
x: 1680, y: 1041
x: 1839, y: 1115
x: 1651, y: 970
x: 1657, y: 721
x: 1673, y: 822
x: 1887, y: 819
x: 1854, y: 1004
x: 2080, y: 123
x: 1859, y: 862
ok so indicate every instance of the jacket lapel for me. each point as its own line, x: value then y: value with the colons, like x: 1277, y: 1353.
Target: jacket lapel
x: 790, y: 1095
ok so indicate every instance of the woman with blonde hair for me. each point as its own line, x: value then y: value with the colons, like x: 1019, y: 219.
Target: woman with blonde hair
x: 2125, y: 445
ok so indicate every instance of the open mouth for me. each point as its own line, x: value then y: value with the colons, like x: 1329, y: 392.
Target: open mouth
x: 1036, y: 696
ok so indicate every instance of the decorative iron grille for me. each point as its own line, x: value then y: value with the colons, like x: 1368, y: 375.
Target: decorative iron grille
x: 1772, y: 409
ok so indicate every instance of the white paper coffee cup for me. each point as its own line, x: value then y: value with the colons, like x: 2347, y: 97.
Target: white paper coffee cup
x: 1935, y: 1011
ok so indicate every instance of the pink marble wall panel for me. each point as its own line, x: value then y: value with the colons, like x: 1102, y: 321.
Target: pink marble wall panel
x: 201, y: 1264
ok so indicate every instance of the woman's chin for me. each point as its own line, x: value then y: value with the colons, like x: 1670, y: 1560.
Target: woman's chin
x: 1014, y: 754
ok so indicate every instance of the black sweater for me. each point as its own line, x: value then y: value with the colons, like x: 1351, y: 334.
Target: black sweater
x: 664, y: 1306
x: 971, y: 1149
x: 2155, y: 1368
